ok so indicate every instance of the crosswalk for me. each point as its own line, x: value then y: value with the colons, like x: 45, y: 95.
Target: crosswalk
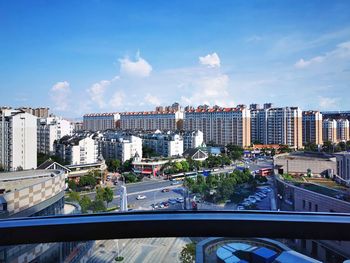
x: 139, y: 250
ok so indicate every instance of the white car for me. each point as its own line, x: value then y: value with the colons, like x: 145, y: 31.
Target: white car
x: 141, y: 197
x: 240, y: 207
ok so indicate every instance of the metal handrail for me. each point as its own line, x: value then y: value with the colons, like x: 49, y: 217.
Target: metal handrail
x: 325, y: 226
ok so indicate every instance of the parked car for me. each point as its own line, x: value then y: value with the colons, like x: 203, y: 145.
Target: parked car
x: 180, y: 200
x: 165, y: 190
x: 141, y: 197
x: 252, y: 199
x: 258, y: 198
x: 240, y: 207
x: 175, y: 182
x: 172, y: 201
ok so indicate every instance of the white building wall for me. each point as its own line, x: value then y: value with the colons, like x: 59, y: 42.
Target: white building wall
x: 24, y: 141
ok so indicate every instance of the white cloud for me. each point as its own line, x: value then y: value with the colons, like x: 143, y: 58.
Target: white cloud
x: 342, y: 51
x: 97, y: 92
x: 306, y: 63
x: 210, y: 60
x: 138, y: 68
x: 60, y: 95
x: 328, y: 103
x: 211, y: 90
x: 117, y: 100
x: 153, y: 100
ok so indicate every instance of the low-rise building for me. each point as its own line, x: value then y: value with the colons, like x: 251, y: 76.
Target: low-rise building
x: 343, y: 165
x: 164, y: 144
x: 80, y: 148
x: 305, y: 162
x: 117, y: 145
x: 192, y: 139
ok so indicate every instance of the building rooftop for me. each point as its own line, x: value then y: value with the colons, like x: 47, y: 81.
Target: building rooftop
x: 314, y: 156
x: 17, y: 180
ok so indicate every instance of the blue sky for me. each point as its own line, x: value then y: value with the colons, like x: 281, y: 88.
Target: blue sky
x: 100, y: 56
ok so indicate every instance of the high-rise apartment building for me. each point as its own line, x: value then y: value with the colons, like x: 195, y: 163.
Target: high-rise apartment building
x: 221, y: 125
x: 312, y: 127
x: 342, y: 130
x: 170, y: 120
x: 329, y: 128
x: 101, y: 121
x: 51, y: 129
x: 38, y: 112
x: 18, y: 140
x: 277, y: 126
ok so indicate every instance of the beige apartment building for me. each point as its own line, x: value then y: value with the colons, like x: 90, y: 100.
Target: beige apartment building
x: 101, y: 121
x: 342, y: 130
x: 220, y: 125
x: 312, y: 127
x: 329, y: 130
x: 277, y: 126
x: 170, y: 120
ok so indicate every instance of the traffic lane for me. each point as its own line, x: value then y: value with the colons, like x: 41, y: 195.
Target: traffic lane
x: 152, y: 197
x: 137, y: 187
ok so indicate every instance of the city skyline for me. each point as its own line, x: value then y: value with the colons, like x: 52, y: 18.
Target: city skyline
x: 133, y: 59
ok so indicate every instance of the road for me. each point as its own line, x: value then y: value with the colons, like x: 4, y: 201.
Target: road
x: 152, y: 189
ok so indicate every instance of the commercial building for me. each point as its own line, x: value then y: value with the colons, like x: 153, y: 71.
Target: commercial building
x: 308, y: 197
x: 312, y: 127
x: 342, y: 130
x: 192, y: 139
x: 38, y: 193
x: 302, y: 163
x: 220, y: 125
x: 117, y: 145
x: 18, y: 140
x: 329, y: 128
x: 168, y: 120
x: 343, y: 165
x: 277, y: 126
x: 101, y: 121
x: 51, y: 129
x: 167, y: 144
x: 80, y: 148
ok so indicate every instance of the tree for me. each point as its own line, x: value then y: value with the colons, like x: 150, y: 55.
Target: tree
x: 72, y: 185
x: 328, y: 147
x: 285, y: 148
x: 127, y: 166
x: 130, y: 178
x: 311, y: 147
x: 148, y: 152
x: 113, y: 165
x: 108, y: 195
x: 177, y: 166
x: 98, y: 206
x: 73, y: 197
x: 342, y: 146
x: 185, y: 166
x: 85, y: 203
x: 188, y: 253
x: 87, y: 181
x: 99, y: 193
x: 235, y: 152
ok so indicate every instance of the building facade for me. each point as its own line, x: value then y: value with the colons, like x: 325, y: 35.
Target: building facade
x: 277, y: 126
x: 343, y: 130
x: 343, y: 165
x: 77, y: 149
x: 170, y: 120
x: 220, y: 125
x: 101, y: 121
x: 165, y: 144
x: 18, y: 140
x: 114, y: 145
x: 38, y: 112
x: 51, y: 129
x: 312, y: 127
x: 192, y: 139
x: 329, y: 130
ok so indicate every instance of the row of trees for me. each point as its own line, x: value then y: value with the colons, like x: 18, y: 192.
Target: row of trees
x: 103, y: 195
x: 118, y: 166
x: 217, y: 188
x: 86, y: 182
x: 328, y: 147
